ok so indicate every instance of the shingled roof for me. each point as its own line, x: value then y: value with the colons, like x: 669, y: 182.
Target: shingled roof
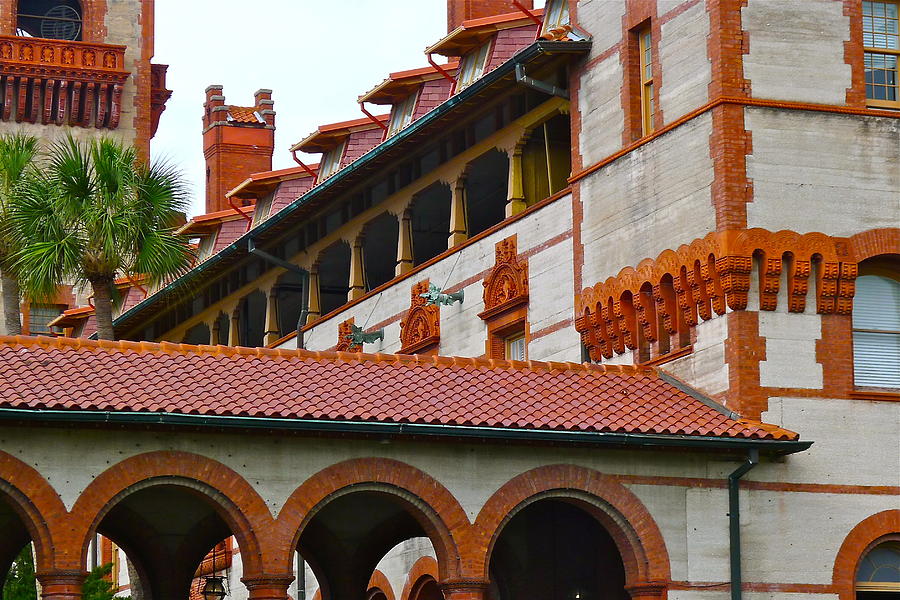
x: 66, y: 374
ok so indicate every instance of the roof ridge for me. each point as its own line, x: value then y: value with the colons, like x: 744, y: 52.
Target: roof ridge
x: 398, y: 359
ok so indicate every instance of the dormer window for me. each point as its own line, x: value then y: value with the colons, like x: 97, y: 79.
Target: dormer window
x: 206, y: 245
x: 472, y: 66
x: 331, y: 161
x: 49, y: 19
x: 556, y: 15
x: 402, y: 114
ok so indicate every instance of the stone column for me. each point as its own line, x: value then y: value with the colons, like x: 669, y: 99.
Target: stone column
x: 464, y: 590
x: 357, y: 270
x: 268, y: 587
x: 314, y: 305
x: 404, y: 245
x: 458, y: 230
x: 234, y: 336
x: 61, y: 585
x: 515, y: 202
x: 271, y: 334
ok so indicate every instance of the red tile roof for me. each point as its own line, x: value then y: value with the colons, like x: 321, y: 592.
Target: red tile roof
x: 476, y: 31
x: 400, y: 84
x: 78, y: 374
x: 328, y: 136
x: 244, y: 114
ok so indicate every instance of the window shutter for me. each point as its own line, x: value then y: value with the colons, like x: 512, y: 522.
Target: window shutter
x: 876, y: 332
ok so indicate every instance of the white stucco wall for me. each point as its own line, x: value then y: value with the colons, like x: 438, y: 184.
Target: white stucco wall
x: 684, y: 62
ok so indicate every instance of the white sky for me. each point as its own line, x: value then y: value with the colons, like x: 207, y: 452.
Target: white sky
x: 317, y: 57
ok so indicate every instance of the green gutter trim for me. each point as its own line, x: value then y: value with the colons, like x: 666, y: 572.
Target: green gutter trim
x: 529, y: 53
x: 780, y: 447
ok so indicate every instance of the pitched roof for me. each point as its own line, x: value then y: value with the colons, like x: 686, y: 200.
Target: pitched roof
x: 474, y: 32
x: 85, y: 375
x: 401, y: 84
x: 209, y: 221
x: 259, y: 184
x: 328, y: 136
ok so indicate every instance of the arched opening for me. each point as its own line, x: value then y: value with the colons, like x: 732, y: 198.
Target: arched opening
x: 430, y: 221
x: 252, y: 319
x: 426, y: 588
x: 352, y: 532
x: 50, y: 19
x: 876, y: 323
x: 198, y: 334
x: 17, y: 564
x: 487, y: 179
x: 556, y: 549
x: 289, y: 297
x: 878, y: 574
x: 167, y: 532
x: 334, y: 276
x: 547, y: 159
x: 380, y: 238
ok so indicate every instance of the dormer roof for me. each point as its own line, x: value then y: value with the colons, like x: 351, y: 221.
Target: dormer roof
x: 329, y: 136
x: 401, y: 84
x: 475, y: 32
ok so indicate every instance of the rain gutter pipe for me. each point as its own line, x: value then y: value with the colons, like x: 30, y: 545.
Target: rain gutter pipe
x: 528, y: 13
x: 373, y: 118
x: 304, y: 274
x: 537, y: 84
x: 303, y: 165
x: 734, y: 520
x: 240, y: 212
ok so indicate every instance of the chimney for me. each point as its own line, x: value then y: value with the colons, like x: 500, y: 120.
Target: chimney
x: 464, y: 10
x: 237, y: 142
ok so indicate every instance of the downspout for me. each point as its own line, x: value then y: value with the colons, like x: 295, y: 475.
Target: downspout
x: 734, y: 521
x: 373, y: 118
x: 240, y: 212
x: 303, y: 165
x: 304, y: 309
x: 528, y: 13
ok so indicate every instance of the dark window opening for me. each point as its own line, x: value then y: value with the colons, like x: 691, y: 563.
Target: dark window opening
x: 50, y: 19
x: 554, y: 549
x: 221, y: 329
x: 380, y: 249
x: 430, y: 222
x: 196, y: 335
x: 289, y: 296
x: 334, y: 276
x: 252, y: 319
x: 486, y: 189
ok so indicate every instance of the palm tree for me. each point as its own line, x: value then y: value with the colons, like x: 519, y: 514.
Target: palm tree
x: 17, y: 154
x: 96, y: 213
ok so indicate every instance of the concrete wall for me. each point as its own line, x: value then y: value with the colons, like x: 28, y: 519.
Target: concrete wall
x: 823, y: 172
x: 684, y: 62
x: 705, y: 368
x: 797, y: 50
x: 544, y: 235
x: 654, y: 198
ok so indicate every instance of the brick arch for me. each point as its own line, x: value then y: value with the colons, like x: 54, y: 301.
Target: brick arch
x: 875, y: 242
x: 36, y: 502
x: 230, y: 494
x: 439, y: 513
x: 424, y: 568
x: 378, y: 581
x: 860, y: 539
x: 621, y: 513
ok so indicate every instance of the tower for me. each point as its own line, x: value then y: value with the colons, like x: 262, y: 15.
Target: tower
x: 83, y: 64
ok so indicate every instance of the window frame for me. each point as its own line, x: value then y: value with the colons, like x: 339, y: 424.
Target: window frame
x: 854, y: 329
x: 556, y: 15
x: 331, y: 161
x: 469, y: 70
x: 79, y: 9
x: 884, y: 52
x: 519, y: 336
x: 647, y: 79
x: 402, y: 113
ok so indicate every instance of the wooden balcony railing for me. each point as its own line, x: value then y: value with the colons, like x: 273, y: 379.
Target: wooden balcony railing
x: 61, y: 82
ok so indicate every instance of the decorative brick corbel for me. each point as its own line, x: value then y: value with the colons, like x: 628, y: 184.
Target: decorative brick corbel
x: 505, y: 298
x: 420, y: 328
x: 344, y: 344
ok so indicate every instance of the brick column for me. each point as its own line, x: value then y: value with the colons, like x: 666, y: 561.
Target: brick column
x: 650, y: 590
x: 61, y: 585
x: 464, y: 590
x: 268, y: 587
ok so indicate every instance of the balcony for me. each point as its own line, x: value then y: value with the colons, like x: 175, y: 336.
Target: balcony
x: 61, y: 82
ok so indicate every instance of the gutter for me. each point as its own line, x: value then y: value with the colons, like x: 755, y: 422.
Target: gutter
x: 472, y: 92
x: 381, y: 428
x: 734, y: 521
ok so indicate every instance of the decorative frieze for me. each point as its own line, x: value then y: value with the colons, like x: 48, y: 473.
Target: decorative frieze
x: 420, y: 328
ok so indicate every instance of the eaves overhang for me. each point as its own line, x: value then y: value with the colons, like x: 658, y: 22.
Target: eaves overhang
x: 492, y: 85
x: 381, y: 430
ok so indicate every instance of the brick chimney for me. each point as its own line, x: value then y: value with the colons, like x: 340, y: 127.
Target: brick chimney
x: 463, y: 10
x: 237, y: 142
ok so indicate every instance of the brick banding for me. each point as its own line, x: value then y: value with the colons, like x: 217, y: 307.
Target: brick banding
x: 863, y: 537
x: 423, y: 570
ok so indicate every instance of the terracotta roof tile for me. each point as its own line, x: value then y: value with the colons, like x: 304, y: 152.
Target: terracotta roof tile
x: 244, y: 114
x: 79, y: 374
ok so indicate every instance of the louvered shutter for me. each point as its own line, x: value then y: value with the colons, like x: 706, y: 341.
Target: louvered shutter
x: 876, y: 332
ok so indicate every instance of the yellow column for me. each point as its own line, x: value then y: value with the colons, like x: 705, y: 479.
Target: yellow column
x: 315, y: 307
x: 404, y: 245
x: 516, y: 198
x: 357, y: 271
x: 458, y: 229
x: 234, y: 338
x: 271, y: 334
